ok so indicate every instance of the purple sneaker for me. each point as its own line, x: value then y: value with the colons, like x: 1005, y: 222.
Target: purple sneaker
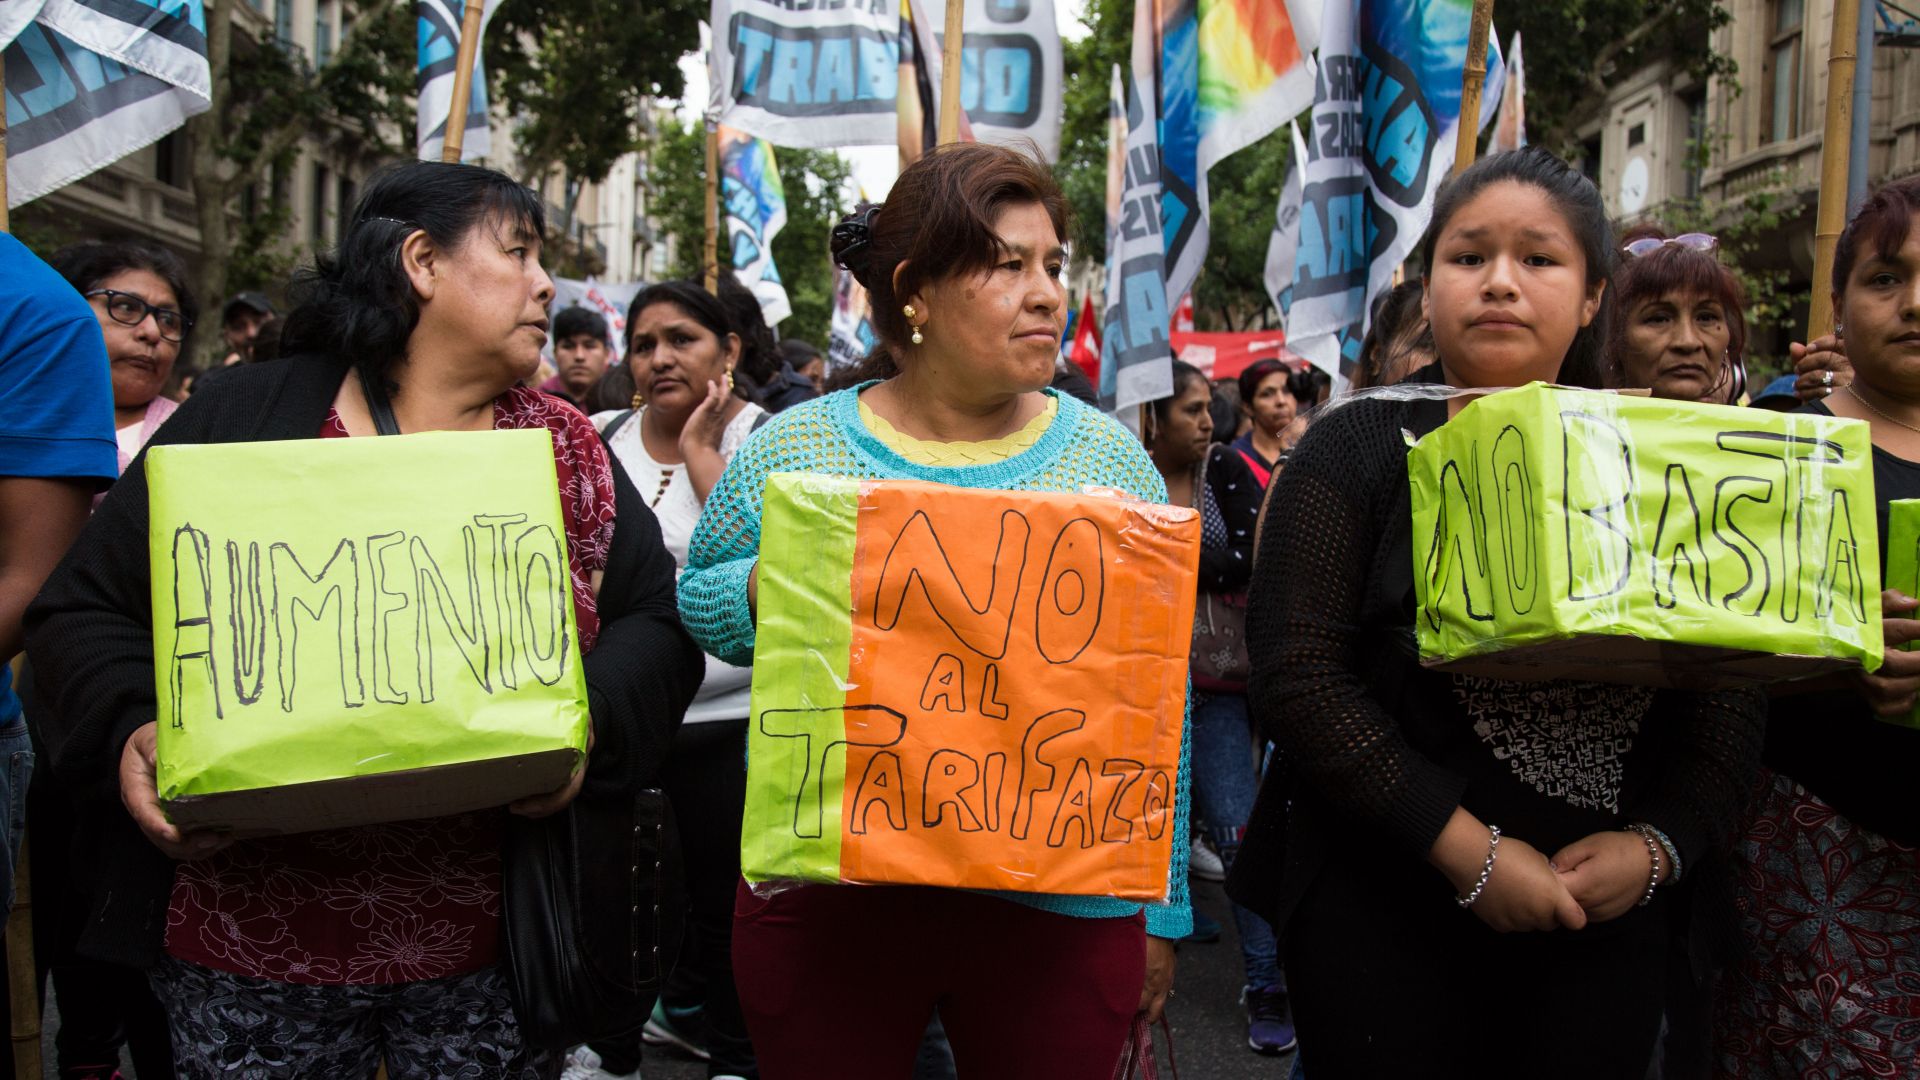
x: 1269, y: 1027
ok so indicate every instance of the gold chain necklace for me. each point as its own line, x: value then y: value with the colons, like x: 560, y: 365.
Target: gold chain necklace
x: 1879, y: 412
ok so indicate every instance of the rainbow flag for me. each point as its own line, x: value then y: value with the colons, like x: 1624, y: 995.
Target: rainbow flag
x: 1231, y: 72
x: 755, y: 203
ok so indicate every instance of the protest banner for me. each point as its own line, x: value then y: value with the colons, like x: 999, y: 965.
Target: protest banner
x: 1135, y: 366
x: 90, y: 81
x: 1903, y: 569
x: 1563, y: 533
x: 756, y: 210
x: 1380, y: 142
x: 827, y: 76
x: 1224, y: 354
x: 938, y: 700
x: 440, y: 26
x: 349, y: 631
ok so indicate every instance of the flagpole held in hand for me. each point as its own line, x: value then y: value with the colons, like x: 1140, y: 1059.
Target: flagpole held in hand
x: 1831, y: 217
x: 1473, y: 79
x: 463, y: 61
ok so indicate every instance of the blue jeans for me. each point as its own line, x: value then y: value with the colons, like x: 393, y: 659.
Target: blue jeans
x: 16, y: 769
x: 1225, y: 780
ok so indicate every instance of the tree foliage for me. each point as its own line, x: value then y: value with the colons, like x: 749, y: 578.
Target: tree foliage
x: 815, y: 182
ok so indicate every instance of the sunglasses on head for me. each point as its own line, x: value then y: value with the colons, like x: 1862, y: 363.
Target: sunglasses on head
x: 1693, y: 241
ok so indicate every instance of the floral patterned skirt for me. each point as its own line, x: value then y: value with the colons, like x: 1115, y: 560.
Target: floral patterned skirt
x: 1828, y: 984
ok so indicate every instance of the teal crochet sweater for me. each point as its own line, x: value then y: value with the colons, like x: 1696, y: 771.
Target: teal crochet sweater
x: 1080, y: 447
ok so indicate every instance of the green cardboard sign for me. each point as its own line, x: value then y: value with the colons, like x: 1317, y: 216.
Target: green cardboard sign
x: 1731, y: 538
x: 335, y: 608
x: 1903, y: 569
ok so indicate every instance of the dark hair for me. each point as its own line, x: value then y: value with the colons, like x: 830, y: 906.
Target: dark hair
x: 1667, y: 270
x: 1302, y: 387
x: 938, y: 222
x: 576, y: 320
x: 1882, y: 222
x: 1225, y: 409
x: 694, y: 301
x: 266, y: 340
x: 798, y: 353
x: 1256, y: 373
x: 86, y: 265
x: 1394, y: 313
x: 759, y: 353
x: 1183, y: 374
x: 355, y: 302
x: 1579, y: 203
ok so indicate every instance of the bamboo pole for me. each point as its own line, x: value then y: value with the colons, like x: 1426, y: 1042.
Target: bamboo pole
x: 1832, y: 215
x: 950, y: 72
x: 1466, y: 145
x: 455, y: 141
x: 711, y: 256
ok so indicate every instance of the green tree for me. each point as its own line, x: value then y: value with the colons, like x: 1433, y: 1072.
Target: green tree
x: 815, y: 182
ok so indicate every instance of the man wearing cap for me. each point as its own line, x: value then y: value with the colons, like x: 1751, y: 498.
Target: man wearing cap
x: 240, y: 322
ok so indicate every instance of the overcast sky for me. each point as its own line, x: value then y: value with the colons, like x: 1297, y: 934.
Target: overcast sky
x: 873, y: 166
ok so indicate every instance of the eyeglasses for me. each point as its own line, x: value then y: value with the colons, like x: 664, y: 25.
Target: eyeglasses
x: 1693, y: 241
x: 129, y: 310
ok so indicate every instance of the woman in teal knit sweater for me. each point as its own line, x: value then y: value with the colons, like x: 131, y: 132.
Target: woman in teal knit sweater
x: 963, y: 265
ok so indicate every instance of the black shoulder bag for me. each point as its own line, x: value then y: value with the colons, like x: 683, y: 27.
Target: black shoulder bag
x: 593, y: 900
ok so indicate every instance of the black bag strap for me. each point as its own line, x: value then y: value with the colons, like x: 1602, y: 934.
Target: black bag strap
x: 616, y: 424
x: 377, y: 404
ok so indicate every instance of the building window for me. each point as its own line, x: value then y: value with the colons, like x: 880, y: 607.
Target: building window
x: 322, y: 32
x: 168, y: 163
x: 1590, y: 159
x: 317, y: 206
x: 348, y: 192
x: 1783, y: 69
x: 1696, y: 152
x: 283, y: 23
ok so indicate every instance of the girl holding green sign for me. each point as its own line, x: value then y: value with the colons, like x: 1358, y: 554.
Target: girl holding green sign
x: 1498, y: 853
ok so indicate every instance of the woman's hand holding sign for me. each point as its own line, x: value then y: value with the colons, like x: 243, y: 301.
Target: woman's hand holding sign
x: 140, y: 791
x: 1892, y: 689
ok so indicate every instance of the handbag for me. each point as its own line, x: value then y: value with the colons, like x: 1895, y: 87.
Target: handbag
x: 1137, y: 1055
x: 593, y: 901
x: 593, y: 906
x: 1218, y: 661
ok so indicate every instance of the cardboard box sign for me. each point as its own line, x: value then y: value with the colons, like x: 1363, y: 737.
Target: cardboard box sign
x: 981, y: 689
x: 1564, y: 533
x: 1903, y: 569
x: 349, y: 631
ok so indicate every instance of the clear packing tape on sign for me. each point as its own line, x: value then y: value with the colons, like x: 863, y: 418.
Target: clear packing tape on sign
x: 1563, y: 533
x: 977, y: 689
x: 349, y: 631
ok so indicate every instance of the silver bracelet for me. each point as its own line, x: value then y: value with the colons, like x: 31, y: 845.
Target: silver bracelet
x: 1653, y: 852
x: 1493, y: 848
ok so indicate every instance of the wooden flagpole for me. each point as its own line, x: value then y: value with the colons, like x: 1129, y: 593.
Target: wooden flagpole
x: 1466, y: 145
x: 1832, y: 215
x: 456, y: 138
x: 711, y: 257
x: 949, y: 130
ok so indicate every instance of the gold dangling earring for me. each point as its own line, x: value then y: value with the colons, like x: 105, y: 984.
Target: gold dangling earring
x: 729, y: 380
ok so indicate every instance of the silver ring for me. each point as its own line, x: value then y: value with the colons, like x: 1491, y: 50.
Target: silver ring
x: 1826, y: 377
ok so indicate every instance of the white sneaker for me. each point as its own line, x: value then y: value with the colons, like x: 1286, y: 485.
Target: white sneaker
x: 584, y: 1064
x: 1205, y: 863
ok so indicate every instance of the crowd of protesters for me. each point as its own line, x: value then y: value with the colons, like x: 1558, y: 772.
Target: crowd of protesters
x: 1432, y: 874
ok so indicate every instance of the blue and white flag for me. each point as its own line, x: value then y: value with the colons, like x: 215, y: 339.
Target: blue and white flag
x: 91, y: 81
x: 755, y: 205
x: 1285, y: 240
x: 1136, y: 362
x: 438, y: 33
x: 1386, y: 109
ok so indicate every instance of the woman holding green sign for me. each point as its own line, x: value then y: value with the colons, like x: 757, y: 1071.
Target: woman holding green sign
x: 1829, y: 866
x: 326, y: 953
x: 964, y: 264
x: 1497, y: 854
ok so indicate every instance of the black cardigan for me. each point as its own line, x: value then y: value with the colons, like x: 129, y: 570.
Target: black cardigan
x: 89, y: 635
x: 1338, y: 686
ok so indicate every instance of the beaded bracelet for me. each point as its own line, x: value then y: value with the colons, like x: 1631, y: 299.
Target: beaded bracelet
x: 1493, y: 848
x: 1653, y: 852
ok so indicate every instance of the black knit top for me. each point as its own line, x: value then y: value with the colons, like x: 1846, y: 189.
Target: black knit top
x: 1378, y: 751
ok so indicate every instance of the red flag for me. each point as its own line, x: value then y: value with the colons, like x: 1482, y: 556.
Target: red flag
x: 1086, y: 342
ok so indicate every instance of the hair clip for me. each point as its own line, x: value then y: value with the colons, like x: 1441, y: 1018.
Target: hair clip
x: 852, y: 237
x: 393, y: 221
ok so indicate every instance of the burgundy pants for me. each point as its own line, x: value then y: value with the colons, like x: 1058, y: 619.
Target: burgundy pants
x: 837, y: 981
